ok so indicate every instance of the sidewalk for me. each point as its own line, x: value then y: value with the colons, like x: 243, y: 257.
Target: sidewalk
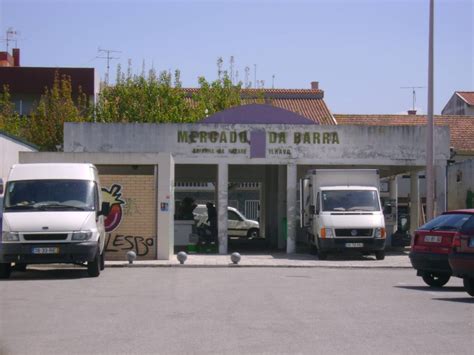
x: 392, y: 260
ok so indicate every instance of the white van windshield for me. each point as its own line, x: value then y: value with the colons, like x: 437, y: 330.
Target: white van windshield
x: 47, y: 195
x: 350, y: 200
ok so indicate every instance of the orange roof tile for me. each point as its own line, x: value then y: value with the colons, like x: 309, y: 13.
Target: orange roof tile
x: 461, y: 127
x: 467, y: 96
x: 306, y: 102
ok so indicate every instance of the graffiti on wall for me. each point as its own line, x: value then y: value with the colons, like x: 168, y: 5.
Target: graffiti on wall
x: 123, y: 243
x: 113, y: 197
x: 119, y: 242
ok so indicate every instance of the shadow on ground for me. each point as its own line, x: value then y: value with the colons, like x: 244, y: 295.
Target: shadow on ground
x: 433, y: 289
x: 35, y: 274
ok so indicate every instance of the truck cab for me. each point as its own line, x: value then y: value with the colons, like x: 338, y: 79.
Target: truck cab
x: 341, y: 210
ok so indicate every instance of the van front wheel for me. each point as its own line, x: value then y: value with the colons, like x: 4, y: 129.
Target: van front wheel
x: 5, y: 270
x: 93, y: 267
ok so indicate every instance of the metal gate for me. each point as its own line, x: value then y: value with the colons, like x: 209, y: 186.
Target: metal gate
x: 252, y: 209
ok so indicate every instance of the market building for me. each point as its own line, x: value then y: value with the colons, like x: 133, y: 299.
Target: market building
x: 140, y: 164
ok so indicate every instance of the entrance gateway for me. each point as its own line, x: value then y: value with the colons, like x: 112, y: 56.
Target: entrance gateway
x: 260, y: 144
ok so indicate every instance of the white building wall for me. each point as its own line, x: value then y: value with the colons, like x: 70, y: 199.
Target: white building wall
x: 460, y: 181
x: 9, y: 153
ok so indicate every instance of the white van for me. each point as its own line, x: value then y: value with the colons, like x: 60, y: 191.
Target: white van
x: 53, y: 213
x: 341, y: 210
x: 237, y: 224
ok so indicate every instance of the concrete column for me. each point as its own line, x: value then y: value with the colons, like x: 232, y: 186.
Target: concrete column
x: 414, y: 201
x: 291, y: 209
x: 440, y: 188
x: 222, y: 201
x: 165, y: 209
x: 281, y: 205
x: 263, y: 206
x: 394, y: 199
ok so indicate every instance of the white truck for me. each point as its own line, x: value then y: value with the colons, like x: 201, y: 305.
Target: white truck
x: 340, y: 209
x: 53, y: 213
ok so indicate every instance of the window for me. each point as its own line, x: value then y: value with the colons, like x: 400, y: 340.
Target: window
x: 232, y: 216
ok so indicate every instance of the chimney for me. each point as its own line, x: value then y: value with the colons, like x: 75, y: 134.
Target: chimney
x: 16, y: 57
x: 315, y: 85
x: 412, y: 112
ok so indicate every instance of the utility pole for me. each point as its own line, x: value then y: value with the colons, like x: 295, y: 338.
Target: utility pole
x: 430, y: 124
x: 108, y: 57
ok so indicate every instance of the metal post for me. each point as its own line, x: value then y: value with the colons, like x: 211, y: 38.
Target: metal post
x: 430, y: 125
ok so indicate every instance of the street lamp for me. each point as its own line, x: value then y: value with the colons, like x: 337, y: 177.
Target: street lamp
x: 430, y: 125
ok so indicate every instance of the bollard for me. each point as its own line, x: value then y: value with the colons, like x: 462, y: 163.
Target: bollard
x: 235, y: 258
x: 131, y: 256
x: 182, y: 256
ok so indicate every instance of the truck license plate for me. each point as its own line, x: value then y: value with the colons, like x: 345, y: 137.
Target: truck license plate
x: 354, y: 245
x: 433, y: 238
x: 45, y: 250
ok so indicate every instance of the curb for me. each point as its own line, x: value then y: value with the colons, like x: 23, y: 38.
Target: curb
x: 188, y: 266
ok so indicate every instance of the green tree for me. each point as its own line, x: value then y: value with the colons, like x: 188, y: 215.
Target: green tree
x: 56, y: 106
x: 10, y: 121
x: 140, y: 98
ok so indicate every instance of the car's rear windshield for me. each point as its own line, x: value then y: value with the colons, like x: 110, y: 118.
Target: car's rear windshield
x: 448, y: 222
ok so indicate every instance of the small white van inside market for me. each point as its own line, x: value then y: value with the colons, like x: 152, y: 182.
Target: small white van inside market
x: 153, y: 175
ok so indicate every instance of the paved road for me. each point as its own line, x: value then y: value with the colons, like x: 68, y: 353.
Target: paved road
x: 233, y: 311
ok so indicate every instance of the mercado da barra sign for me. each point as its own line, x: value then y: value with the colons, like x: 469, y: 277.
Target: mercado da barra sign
x: 272, y: 137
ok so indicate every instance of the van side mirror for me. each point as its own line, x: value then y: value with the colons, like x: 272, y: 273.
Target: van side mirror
x: 105, y: 210
x: 312, y: 210
x: 1, y: 186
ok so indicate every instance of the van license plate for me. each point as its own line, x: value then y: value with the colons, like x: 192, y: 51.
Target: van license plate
x: 354, y: 245
x: 45, y: 250
x: 433, y: 238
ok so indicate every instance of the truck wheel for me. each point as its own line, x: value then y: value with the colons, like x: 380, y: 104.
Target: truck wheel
x: 5, y: 270
x: 469, y: 285
x: 252, y: 233
x: 102, y: 260
x: 312, y: 249
x: 20, y: 267
x: 322, y: 255
x: 93, y: 267
x: 380, y: 255
x: 435, y: 279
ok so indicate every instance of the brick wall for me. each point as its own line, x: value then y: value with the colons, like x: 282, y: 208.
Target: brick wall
x: 133, y: 215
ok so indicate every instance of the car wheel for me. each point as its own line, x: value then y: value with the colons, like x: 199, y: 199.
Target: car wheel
x: 20, y: 267
x: 435, y: 279
x: 469, y: 285
x: 102, y: 260
x: 93, y: 267
x: 5, y: 270
x: 253, y: 233
x: 380, y: 255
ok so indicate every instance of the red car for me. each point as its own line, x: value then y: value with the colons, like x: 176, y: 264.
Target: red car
x: 461, y: 257
x: 432, y: 243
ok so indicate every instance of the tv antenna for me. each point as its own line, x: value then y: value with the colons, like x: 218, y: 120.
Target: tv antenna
x: 107, y: 55
x: 11, y: 36
x: 413, y: 88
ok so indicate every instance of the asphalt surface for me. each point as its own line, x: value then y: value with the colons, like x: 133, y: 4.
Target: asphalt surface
x: 233, y: 311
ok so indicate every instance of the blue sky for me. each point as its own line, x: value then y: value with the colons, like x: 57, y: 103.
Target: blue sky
x: 361, y: 51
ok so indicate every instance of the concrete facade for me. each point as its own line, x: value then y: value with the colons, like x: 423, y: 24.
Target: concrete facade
x: 277, y: 156
x: 461, y: 186
x: 140, y: 188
